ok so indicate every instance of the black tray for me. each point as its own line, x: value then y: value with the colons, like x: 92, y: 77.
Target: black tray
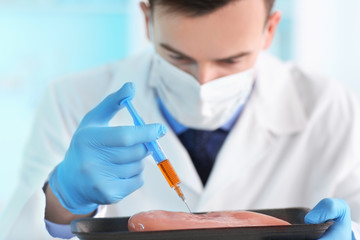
x: 116, y: 229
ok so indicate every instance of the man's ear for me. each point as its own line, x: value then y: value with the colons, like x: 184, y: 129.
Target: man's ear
x: 271, y: 27
x: 146, y: 11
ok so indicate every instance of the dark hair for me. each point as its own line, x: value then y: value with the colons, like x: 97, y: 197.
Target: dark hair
x: 196, y: 8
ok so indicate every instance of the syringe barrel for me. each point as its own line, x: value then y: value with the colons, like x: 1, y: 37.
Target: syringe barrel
x: 157, y: 152
x: 169, y: 173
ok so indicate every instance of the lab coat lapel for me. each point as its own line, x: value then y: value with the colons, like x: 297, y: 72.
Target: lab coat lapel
x: 279, y: 107
x: 274, y: 109
x: 246, y: 145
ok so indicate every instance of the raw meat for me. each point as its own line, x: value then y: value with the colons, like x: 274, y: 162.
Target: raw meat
x: 165, y: 220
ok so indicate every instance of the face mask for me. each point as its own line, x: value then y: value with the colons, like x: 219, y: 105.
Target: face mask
x: 207, y: 106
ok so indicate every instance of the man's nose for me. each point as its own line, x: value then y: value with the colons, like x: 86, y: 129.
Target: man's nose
x: 204, y: 73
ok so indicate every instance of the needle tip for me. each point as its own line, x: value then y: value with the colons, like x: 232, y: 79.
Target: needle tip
x: 187, y: 206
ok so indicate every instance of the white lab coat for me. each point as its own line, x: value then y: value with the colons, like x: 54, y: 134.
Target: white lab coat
x: 296, y: 142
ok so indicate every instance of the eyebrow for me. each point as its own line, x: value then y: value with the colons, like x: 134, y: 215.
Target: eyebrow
x: 173, y: 50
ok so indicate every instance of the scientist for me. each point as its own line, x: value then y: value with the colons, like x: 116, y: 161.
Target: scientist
x: 242, y: 129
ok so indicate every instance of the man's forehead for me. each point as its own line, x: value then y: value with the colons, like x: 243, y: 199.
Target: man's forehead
x: 228, y: 31
x: 243, y: 18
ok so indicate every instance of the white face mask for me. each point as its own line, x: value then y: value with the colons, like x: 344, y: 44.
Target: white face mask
x: 207, y: 106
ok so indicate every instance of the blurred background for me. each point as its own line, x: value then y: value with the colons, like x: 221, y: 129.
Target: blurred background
x: 42, y: 40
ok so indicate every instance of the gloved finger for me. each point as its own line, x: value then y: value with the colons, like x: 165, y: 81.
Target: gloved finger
x: 129, y: 185
x: 126, y: 136
x: 328, y: 209
x: 125, y: 171
x: 105, y: 111
x: 123, y: 155
x: 117, y: 189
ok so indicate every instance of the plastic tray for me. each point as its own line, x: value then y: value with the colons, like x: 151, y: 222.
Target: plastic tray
x: 116, y: 229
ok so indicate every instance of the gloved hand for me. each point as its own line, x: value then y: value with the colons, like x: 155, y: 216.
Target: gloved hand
x: 103, y: 164
x: 335, y: 210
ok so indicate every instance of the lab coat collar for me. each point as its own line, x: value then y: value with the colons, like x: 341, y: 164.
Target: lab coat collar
x: 278, y: 105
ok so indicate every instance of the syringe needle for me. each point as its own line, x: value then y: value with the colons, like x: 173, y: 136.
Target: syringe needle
x: 181, y: 195
x: 187, y: 205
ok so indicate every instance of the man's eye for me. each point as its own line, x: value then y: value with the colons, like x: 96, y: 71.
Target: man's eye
x: 178, y: 57
x: 229, y: 61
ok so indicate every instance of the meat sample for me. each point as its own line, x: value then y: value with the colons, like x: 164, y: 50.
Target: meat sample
x: 165, y: 220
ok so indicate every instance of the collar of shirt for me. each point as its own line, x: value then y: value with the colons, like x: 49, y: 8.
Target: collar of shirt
x: 178, y: 128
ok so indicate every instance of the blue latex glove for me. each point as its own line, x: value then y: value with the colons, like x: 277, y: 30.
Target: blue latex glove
x: 335, y: 210
x: 103, y: 164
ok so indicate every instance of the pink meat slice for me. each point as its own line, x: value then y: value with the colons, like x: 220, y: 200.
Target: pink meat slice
x: 165, y: 220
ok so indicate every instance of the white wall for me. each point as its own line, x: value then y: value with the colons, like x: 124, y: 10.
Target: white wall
x: 327, y: 39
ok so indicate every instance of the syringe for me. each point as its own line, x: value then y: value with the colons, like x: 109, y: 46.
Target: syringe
x: 158, y: 154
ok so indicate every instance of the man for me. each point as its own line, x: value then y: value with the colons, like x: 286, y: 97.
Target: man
x: 244, y: 130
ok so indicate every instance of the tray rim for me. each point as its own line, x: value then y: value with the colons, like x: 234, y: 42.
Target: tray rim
x: 294, y: 227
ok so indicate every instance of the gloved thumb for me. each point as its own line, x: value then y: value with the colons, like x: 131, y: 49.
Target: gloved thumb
x: 105, y: 111
x: 328, y: 209
x: 335, y: 210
